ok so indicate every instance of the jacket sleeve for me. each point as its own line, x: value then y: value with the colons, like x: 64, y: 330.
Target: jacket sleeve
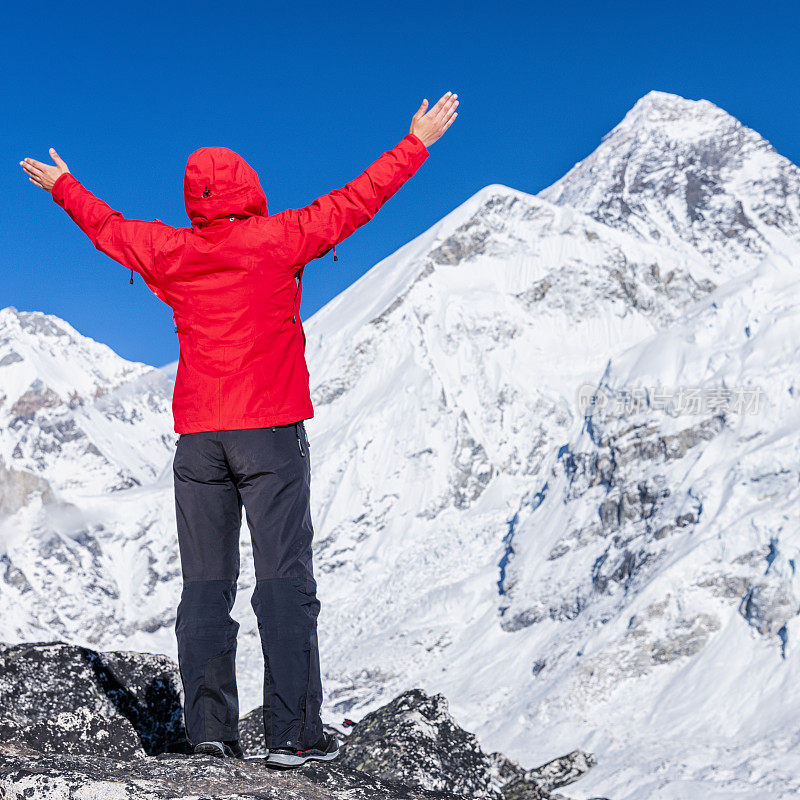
x: 133, y: 243
x: 309, y: 232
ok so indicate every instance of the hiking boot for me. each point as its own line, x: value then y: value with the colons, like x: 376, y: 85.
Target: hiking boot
x: 326, y: 749
x: 229, y: 749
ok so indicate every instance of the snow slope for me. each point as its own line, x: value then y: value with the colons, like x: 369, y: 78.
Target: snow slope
x: 610, y: 579
x: 653, y: 577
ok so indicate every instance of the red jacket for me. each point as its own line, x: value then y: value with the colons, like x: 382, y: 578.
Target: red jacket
x: 234, y: 279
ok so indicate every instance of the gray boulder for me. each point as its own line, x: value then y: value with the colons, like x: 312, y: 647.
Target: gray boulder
x: 61, y: 698
x: 415, y: 739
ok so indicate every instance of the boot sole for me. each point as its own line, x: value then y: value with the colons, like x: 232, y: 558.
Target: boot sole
x: 212, y: 749
x: 286, y: 761
x: 258, y: 756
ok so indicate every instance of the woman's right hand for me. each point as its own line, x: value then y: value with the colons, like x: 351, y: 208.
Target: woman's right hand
x: 431, y: 126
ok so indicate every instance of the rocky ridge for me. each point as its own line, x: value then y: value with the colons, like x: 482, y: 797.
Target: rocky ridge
x: 74, y: 721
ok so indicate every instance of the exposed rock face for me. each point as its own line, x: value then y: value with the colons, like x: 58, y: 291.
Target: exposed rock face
x: 73, y: 720
x: 633, y: 514
x: 769, y: 605
x: 36, y: 397
x: 558, y: 772
x: 171, y: 776
x: 60, y: 698
x: 389, y: 742
x: 414, y: 740
x: 18, y: 487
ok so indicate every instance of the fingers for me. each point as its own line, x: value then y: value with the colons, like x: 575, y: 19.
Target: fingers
x: 448, y: 108
x: 443, y: 109
x: 37, y: 181
x: 421, y: 110
x: 38, y: 174
x: 32, y: 162
x: 57, y: 158
x: 442, y: 100
x: 44, y: 175
x: 29, y: 166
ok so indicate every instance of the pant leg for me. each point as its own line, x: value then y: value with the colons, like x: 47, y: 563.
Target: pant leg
x: 273, y: 474
x: 208, y: 511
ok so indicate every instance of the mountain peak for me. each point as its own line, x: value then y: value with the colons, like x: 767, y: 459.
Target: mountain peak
x: 686, y: 174
x: 674, y: 116
x: 12, y: 320
x: 74, y: 410
x: 656, y: 99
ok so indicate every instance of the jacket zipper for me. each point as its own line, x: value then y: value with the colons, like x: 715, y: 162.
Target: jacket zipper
x: 296, y: 290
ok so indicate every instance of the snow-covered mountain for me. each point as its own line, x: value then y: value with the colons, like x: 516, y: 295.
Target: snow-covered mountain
x: 689, y: 176
x: 555, y: 468
x: 86, y: 544
x: 75, y: 412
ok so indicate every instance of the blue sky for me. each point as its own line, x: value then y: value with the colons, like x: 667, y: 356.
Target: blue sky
x: 311, y: 93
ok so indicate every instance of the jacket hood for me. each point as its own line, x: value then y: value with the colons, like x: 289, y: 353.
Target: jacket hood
x: 220, y: 183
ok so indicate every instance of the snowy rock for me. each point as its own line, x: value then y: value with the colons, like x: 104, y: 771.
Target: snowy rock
x: 552, y: 775
x: 686, y: 174
x: 171, y: 776
x: 769, y: 605
x: 60, y: 698
x: 415, y: 739
x: 74, y: 412
x: 77, y: 721
x: 19, y: 487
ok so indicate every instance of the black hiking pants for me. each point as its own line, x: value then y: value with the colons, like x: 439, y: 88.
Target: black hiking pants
x: 268, y: 471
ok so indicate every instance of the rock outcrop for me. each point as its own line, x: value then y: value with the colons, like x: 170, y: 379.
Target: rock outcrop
x: 76, y: 722
x: 415, y: 739
x: 59, y: 698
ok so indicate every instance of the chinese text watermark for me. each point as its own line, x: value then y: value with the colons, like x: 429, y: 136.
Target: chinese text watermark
x: 676, y: 401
